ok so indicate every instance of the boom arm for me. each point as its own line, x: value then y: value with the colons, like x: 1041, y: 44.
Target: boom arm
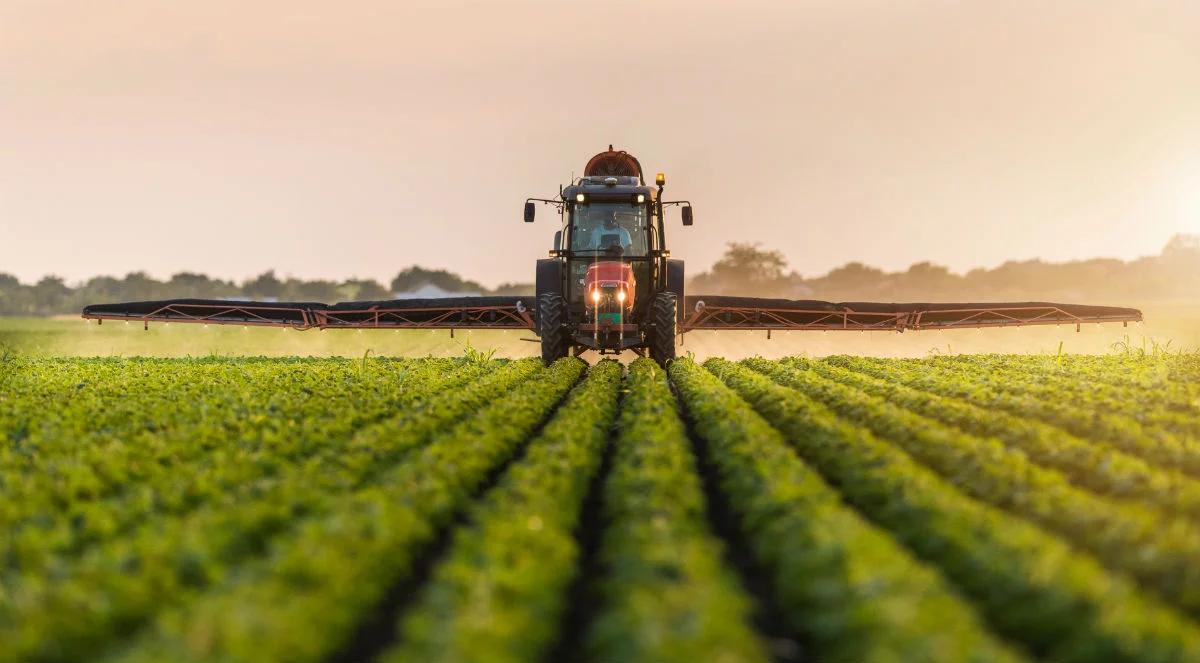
x: 723, y: 312
x: 441, y: 313
x: 702, y: 312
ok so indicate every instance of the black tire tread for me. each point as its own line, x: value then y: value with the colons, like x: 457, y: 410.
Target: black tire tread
x: 663, y: 310
x: 551, y: 320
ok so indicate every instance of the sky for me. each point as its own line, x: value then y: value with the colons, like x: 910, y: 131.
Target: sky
x: 352, y: 139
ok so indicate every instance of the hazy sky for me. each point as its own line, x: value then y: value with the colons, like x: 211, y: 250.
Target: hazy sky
x: 355, y: 138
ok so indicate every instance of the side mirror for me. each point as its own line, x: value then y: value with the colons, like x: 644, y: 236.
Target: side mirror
x: 557, y: 240
x: 687, y: 215
x: 530, y: 210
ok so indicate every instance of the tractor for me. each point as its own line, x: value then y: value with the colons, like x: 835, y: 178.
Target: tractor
x: 609, y: 283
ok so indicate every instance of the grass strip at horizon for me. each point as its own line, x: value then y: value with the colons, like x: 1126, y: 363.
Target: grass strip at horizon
x: 1154, y: 408
x: 305, y: 598
x: 1160, y: 551
x: 842, y: 584
x: 1096, y: 467
x: 114, y: 587
x: 1030, y: 585
x: 1159, y: 448
x: 106, y: 483
x: 501, y: 590
x: 666, y: 593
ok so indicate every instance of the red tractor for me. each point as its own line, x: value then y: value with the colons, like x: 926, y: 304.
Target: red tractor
x: 609, y: 284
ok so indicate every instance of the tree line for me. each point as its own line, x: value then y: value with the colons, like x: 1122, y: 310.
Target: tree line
x: 52, y: 295
x: 744, y: 269
x: 1174, y: 274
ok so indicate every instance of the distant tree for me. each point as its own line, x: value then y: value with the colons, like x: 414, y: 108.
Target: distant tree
x: 263, y: 287
x: 187, y: 284
x: 311, y: 291
x: 745, y: 269
x: 416, y: 277
x: 14, y: 300
x: 747, y: 263
x: 140, y: 286
x: 514, y: 289
x: 1183, y: 245
x: 51, y: 293
x: 364, y: 290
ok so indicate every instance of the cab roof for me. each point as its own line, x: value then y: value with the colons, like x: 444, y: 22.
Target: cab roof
x: 601, y: 187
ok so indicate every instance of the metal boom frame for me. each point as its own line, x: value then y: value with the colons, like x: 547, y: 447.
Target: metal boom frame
x: 745, y: 314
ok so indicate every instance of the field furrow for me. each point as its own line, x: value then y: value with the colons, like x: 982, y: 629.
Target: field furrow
x: 208, y: 462
x: 1170, y: 452
x: 953, y: 509
x: 501, y: 591
x: 1032, y: 586
x: 303, y: 600
x: 1161, y: 552
x: 1154, y: 409
x: 1144, y: 380
x: 665, y: 593
x: 1097, y: 467
x: 164, y: 561
x: 842, y: 585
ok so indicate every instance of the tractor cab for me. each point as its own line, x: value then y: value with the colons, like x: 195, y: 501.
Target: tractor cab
x: 608, y: 275
x: 609, y: 234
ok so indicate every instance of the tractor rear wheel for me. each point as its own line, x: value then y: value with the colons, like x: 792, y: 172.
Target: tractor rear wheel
x: 663, y: 316
x: 552, y: 327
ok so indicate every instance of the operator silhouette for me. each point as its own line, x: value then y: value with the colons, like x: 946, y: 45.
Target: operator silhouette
x: 611, y: 236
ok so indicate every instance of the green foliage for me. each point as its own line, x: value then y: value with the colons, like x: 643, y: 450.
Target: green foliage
x: 665, y: 594
x: 1031, y: 586
x: 842, y: 584
x: 1097, y: 467
x: 499, y: 594
x: 962, y: 509
x: 1093, y: 416
x: 216, y: 501
x: 302, y: 599
x: 1157, y: 549
x: 477, y: 357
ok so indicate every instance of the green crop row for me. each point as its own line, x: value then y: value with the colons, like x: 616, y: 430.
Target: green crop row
x: 1160, y: 448
x: 500, y: 592
x: 841, y: 583
x: 965, y: 509
x: 1153, y: 409
x: 1159, y: 551
x: 185, y: 465
x: 1149, y: 370
x: 665, y: 594
x: 303, y: 600
x: 77, y: 410
x: 1146, y: 380
x: 1097, y: 467
x: 1032, y: 586
x: 62, y: 606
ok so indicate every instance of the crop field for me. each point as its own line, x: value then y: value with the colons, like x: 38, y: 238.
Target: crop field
x: 970, y: 508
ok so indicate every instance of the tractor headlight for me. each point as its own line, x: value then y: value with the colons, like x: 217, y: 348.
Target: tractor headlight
x: 621, y: 295
x: 596, y: 296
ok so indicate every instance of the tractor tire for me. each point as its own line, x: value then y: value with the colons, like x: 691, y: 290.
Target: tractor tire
x: 552, y: 327
x: 663, y: 312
